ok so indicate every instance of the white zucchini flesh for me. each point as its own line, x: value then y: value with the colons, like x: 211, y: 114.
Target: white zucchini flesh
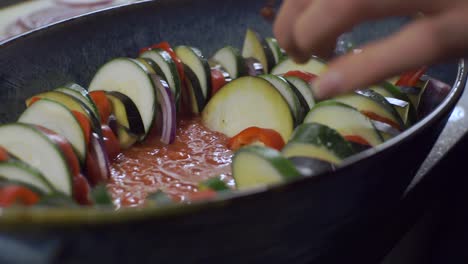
x: 314, y: 66
x: 36, y: 149
x: 256, y: 47
x: 256, y: 166
x: 288, y: 94
x: 168, y: 67
x: 246, y: 102
x: 363, y: 103
x: 130, y: 78
x: 193, y: 58
x: 81, y: 94
x: 231, y: 60
x: 303, y: 88
x: 346, y: 120
x: 17, y: 171
x: 293, y: 149
x: 58, y: 118
x: 275, y: 49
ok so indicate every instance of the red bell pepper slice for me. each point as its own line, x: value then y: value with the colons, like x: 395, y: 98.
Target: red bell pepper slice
x: 357, y: 139
x: 268, y: 137
x: 382, y: 119
x: 4, y: 156
x: 411, y: 78
x: 14, y: 194
x: 85, y: 125
x: 33, y: 100
x: 103, y: 105
x: 305, y: 76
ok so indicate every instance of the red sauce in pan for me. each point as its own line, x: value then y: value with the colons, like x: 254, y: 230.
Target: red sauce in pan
x: 197, y: 154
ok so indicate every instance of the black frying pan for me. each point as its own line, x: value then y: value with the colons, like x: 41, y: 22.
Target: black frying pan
x: 308, y: 220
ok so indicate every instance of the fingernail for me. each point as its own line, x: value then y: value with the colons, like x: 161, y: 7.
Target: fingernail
x: 326, y: 85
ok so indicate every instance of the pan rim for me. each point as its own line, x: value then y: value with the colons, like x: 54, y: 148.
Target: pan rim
x: 54, y: 217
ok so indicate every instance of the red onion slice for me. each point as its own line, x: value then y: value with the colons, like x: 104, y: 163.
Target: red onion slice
x: 434, y: 94
x: 167, y: 113
x: 97, y: 161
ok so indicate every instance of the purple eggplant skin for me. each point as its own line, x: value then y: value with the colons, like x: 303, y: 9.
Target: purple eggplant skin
x: 436, y: 91
x: 254, y: 67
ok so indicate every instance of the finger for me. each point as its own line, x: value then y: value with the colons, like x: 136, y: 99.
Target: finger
x: 318, y: 27
x: 421, y: 43
x: 285, y: 21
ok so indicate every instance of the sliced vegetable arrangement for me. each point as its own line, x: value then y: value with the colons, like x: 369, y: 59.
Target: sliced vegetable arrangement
x: 61, y: 150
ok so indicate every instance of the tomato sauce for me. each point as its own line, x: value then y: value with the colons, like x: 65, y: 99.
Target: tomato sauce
x: 176, y: 169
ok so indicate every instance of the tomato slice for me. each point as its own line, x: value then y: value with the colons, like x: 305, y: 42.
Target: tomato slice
x: 85, y: 125
x: 268, y: 137
x: 217, y: 80
x: 306, y: 76
x: 4, y: 156
x: 103, y: 105
x: 411, y: 78
x: 357, y: 139
x: 167, y: 47
x: 111, y: 142
x: 15, y: 194
x: 81, y: 190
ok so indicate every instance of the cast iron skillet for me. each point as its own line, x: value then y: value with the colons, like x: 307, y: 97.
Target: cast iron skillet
x: 299, y: 222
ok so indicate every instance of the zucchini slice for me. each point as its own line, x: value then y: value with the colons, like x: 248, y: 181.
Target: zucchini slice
x: 60, y: 119
x: 126, y: 112
x: 399, y: 100
x: 193, y: 59
x: 347, y: 120
x: 314, y: 65
x: 318, y: 141
x: 304, y: 89
x: 151, y: 67
x: 72, y: 104
x: 125, y: 137
x: 20, y: 172
x: 310, y: 167
x: 255, y: 166
x: 278, y: 53
x: 231, y: 60
x: 414, y: 93
x: 256, y: 47
x: 215, y: 184
x: 193, y: 92
x: 168, y: 67
x: 284, y: 88
x: 374, y: 106
x: 80, y: 93
x: 246, y: 102
x: 130, y: 78
x: 35, y: 148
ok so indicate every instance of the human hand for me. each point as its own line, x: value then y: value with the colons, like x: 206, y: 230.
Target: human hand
x: 306, y: 27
